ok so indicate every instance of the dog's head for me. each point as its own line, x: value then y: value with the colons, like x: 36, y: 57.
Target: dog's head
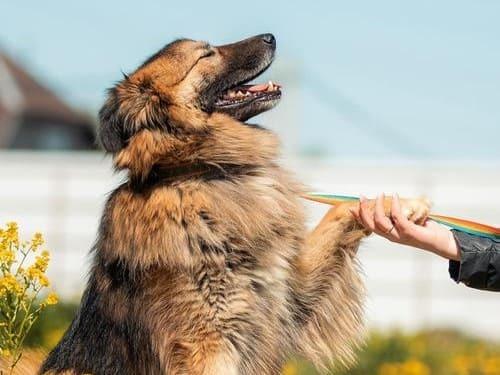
x: 186, y: 82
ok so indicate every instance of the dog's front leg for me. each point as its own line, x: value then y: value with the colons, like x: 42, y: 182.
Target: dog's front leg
x: 329, y: 292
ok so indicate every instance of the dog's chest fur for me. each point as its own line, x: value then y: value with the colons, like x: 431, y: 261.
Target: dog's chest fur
x: 221, y: 254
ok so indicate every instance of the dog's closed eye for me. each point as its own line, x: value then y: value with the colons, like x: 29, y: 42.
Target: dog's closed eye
x: 208, y: 54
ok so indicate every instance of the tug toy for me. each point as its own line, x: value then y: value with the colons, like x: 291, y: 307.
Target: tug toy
x: 461, y: 225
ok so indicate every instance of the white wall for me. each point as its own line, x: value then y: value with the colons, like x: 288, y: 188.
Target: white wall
x: 62, y: 196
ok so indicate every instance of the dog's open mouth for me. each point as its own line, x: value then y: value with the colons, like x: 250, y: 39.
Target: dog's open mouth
x: 233, y: 93
x: 248, y: 100
x: 248, y: 93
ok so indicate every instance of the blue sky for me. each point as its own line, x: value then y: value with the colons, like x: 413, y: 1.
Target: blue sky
x: 377, y: 79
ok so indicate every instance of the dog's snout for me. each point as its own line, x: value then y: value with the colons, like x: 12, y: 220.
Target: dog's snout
x: 268, y: 39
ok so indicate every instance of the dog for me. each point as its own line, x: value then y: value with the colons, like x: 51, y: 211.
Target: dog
x: 203, y: 264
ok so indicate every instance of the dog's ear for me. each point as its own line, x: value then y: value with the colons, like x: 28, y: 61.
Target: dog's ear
x: 110, y: 134
x: 129, y: 108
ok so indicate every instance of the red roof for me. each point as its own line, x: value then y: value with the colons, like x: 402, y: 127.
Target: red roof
x: 37, y: 99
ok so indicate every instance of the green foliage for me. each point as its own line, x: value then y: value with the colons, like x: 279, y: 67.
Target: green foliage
x: 51, y: 325
x: 22, y: 282
x: 441, y: 352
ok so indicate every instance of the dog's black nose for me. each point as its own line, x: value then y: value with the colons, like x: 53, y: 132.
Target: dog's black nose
x: 268, y: 38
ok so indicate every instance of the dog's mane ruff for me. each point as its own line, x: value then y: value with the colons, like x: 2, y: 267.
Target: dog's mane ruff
x: 223, y: 141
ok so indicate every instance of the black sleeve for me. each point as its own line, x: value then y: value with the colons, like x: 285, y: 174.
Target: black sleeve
x: 479, y: 265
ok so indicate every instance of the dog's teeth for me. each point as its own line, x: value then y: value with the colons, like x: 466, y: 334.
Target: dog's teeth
x: 247, y: 93
x: 270, y: 86
x: 232, y: 94
x: 239, y: 93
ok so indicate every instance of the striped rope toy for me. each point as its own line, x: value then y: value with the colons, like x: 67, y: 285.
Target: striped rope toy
x: 461, y: 225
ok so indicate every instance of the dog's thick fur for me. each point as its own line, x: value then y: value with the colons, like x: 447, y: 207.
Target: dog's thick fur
x: 210, y: 271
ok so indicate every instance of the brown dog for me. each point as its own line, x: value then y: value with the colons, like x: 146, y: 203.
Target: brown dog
x: 202, y: 264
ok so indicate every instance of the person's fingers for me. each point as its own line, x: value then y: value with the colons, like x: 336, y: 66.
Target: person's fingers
x: 401, y: 223
x: 366, y: 214
x: 383, y: 224
x: 396, y: 213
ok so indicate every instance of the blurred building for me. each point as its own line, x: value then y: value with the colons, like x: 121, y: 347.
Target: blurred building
x: 33, y: 117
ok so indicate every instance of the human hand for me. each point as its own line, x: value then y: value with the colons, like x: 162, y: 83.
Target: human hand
x: 399, y: 228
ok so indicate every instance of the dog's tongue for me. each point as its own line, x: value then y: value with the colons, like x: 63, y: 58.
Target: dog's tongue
x: 259, y: 87
x: 251, y: 90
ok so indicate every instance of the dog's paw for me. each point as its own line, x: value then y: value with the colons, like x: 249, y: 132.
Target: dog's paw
x: 416, y: 209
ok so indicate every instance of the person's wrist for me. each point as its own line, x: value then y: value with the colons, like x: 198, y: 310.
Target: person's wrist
x: 453, y: 248
x: 446, y: 246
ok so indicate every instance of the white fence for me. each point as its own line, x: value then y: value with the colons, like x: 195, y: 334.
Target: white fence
x: 62, y: 194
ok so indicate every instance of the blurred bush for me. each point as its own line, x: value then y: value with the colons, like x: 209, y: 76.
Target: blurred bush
x: 436, y: 352
x: 51, y: 325
x: 439, y: 352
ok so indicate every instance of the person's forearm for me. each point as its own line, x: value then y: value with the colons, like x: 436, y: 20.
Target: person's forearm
x: 444, y: 244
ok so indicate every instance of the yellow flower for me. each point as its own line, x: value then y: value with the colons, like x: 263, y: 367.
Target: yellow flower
x: 35, y: 274
x: 9, y: 284
x: 409, y: 367
x: 289, y: 369
x: 36, y: 241
x: 43, y: 280
x: 389, y: 369
x: 42, y: 261
x: 414, y: 367
x: 52, y: 299
x: 7, y: 255
x: 11, y: 234
x: 462, y: 364
x: 491, y: 366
